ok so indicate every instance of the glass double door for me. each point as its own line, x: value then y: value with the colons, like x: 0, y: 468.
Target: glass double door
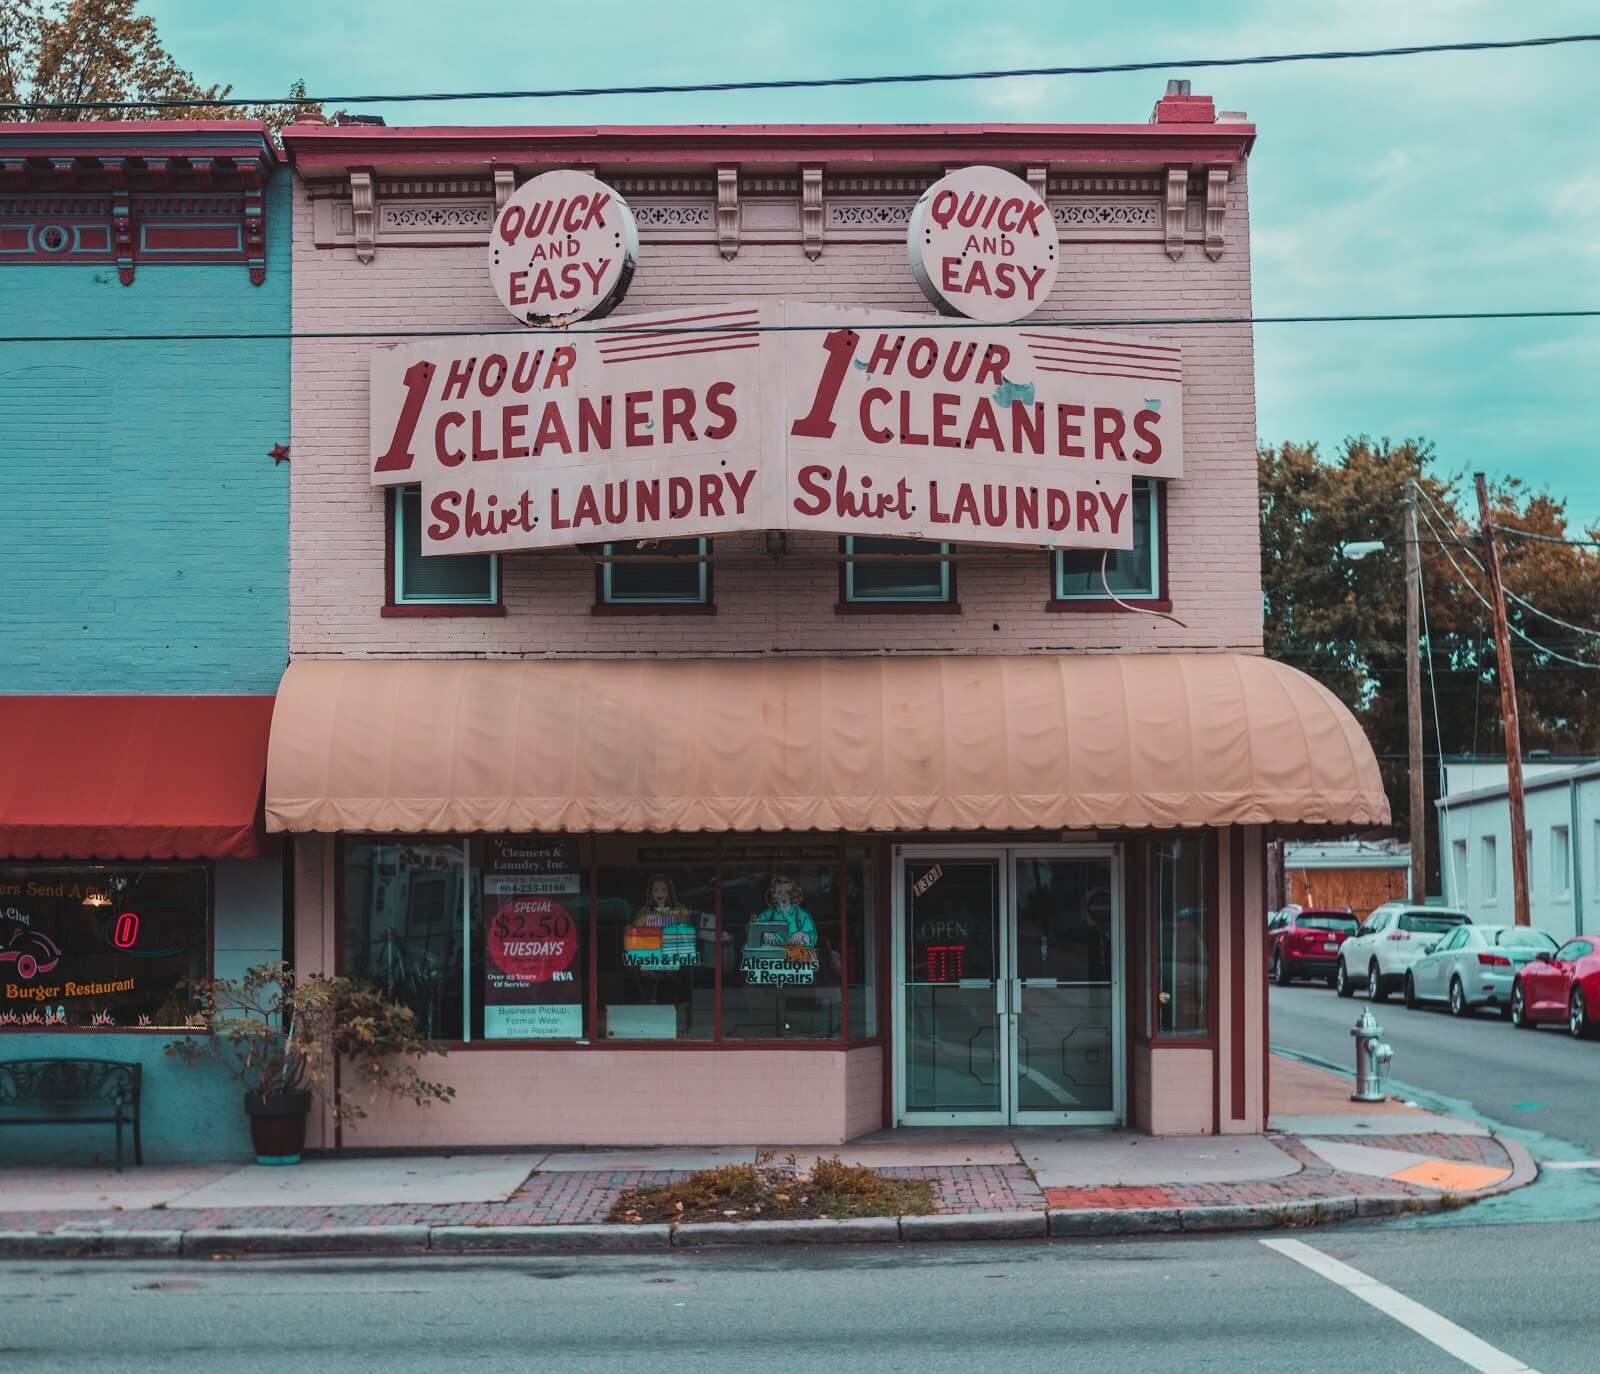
x: 1009, y: 998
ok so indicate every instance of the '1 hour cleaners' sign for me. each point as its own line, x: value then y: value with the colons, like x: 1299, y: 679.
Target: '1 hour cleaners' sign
x: 847, y: 421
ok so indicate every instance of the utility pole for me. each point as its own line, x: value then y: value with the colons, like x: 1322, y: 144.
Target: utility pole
x: 1508, y: 708
x: 1419, y: 817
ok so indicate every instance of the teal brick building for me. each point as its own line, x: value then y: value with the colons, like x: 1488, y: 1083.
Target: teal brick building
x: 144, y: 560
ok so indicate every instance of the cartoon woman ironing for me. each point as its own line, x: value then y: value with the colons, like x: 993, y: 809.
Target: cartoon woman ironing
x: 784, y: 896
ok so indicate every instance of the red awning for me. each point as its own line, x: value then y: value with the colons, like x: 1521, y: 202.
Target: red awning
x: 132, y: 777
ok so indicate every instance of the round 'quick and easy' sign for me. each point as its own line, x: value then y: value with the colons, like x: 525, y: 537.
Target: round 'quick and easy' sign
x: 563, y: 249
x: 983, y: 245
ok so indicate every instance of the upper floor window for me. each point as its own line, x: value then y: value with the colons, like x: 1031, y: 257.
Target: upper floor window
x: 660, y: 573
x: 437, y: 580
x: 896, y: 572
x: 1134, y: 574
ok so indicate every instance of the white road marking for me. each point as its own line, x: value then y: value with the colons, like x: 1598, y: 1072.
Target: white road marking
x: 1570, y: 1164
x: 1427, y: 1323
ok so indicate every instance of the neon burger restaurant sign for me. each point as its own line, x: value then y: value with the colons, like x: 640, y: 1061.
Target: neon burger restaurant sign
x: 773, y: 414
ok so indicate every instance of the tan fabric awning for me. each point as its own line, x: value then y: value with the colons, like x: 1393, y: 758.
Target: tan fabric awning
x: 1076, y: 742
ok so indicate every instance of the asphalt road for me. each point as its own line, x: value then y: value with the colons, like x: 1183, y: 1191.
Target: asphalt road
x: 1180, y: 1304
x: 1539, y: 1080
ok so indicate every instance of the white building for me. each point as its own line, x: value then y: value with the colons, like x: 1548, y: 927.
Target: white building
x: 1562, y: 838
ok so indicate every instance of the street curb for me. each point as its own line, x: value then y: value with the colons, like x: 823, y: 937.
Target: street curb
x: 976, y: 1226
x: 331, y: 1240
x: 1113, y: 1221
x: 87, y: 1244
x: 846, y: 1231
x: 549, y: 1240
x: 1523, y: 1169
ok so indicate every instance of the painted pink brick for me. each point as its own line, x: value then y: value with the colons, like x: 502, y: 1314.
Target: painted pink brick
x: 767, y: 606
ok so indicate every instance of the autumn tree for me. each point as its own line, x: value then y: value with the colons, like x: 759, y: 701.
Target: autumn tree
x: 67, y: 51
x: 1344, y: 621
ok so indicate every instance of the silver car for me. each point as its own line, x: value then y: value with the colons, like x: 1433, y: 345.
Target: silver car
x: 1474, y: 966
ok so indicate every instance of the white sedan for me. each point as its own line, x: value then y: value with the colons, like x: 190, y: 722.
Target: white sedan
x: 1475, y: 966
x: 1390, y: 940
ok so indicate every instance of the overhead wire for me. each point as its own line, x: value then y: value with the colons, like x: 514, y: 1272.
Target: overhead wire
x: 1467, y: 582
x: 1512, y: 595
x: 820, y: 326
x: 818, y: 82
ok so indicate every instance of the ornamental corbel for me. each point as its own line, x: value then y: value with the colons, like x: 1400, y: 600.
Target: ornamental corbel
x: 1177, y: 208
x: 204, y: 171
x: 728, y: 211
x: 505, y: 182
x: 811, y: 211
x: 116, y: 170
x: 1216, y: 210
x: 362, y: 213
x: 255, y: 220
x: 1039, y: 181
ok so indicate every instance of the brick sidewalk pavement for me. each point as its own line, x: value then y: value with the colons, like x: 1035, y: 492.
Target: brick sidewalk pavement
x: 575, y: 1198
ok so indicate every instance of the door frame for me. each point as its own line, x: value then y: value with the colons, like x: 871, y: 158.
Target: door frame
x: 1007, y: 991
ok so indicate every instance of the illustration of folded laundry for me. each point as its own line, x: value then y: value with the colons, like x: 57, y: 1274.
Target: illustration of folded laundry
x: 642, y: 939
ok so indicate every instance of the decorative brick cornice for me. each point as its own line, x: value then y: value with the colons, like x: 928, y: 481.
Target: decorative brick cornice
x: 131, y: 208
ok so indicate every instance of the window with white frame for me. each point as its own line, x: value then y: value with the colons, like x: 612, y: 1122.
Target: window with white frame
x: 1458, y: 870
x: 1488, y: 873
x: 1132, y: 574
x: 1560, y: 861
x: 880, y: 572
x: 455, y: 579
x: 666, y: 572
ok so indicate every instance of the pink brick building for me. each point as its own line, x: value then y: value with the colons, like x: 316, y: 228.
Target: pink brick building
x: 808, y: 833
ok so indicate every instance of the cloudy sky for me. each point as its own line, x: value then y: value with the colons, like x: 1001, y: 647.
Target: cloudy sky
x: 1453, y: 182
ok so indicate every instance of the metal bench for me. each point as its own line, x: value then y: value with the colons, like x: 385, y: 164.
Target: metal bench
x: 69, y: 1092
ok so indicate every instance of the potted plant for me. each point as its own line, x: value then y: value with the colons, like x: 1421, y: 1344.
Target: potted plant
x: 281, y: 1035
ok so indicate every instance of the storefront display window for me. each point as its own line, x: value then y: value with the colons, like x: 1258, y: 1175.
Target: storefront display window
x: 529, y: 938
x: 1181, y: 897
x: 1130, y: 573
x: 92, y: 946
x: 656, y: 950
x: 403, y: 926
x: 658, y: 928
x: 781, y: 909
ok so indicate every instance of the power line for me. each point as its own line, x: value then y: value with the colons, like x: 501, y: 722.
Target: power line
x: 1467, y: 583
x: 1514, y: 596
x: 818, y: 82
x: 1510, y: 532
x: 930, y: 323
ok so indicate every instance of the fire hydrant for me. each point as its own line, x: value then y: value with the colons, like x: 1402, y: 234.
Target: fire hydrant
x: 1372, y: 1059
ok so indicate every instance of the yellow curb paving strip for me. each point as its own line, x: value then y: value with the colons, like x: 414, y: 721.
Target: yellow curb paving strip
x: 1456, y: 1178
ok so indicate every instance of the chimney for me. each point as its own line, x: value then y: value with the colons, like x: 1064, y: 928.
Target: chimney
x: 1177, y: 106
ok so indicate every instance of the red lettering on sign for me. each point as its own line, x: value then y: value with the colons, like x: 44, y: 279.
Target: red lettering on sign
x: 398, y: 456
x: 817, y: 423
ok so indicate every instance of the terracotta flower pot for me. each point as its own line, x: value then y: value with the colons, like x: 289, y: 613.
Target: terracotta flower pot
x: 277, y: 1125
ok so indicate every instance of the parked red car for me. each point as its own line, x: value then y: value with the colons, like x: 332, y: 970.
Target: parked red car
x: 1564, y: 986
x: 1303, y: 942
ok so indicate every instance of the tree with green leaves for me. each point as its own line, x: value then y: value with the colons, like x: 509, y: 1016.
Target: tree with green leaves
x: 1343, y: 621
x: 65, y: 51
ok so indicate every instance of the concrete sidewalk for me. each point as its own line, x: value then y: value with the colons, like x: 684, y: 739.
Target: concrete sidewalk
x: 1324, y: 1159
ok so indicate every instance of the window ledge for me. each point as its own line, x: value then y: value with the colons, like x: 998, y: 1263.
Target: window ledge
x: 1103, y: 606
x: 645, y: 608
x: 427, y: 609
x: 897, y: 608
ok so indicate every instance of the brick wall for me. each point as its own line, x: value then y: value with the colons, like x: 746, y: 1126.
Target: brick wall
x: 143, y: 535
x: 766, y: 605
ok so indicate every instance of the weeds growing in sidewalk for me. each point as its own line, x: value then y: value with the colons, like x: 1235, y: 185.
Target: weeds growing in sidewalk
x: 764, y: 1192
